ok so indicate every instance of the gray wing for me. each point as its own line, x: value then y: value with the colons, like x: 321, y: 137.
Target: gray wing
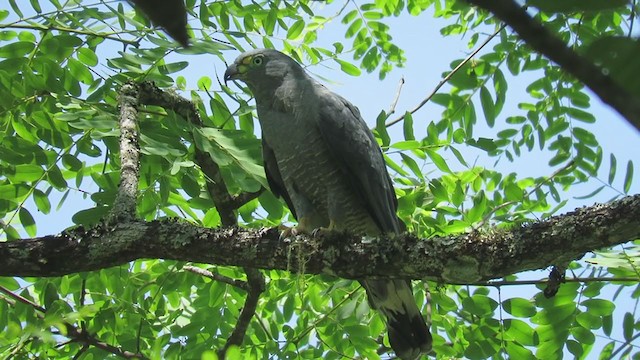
x: 354, y: 148
x: 274, y: 178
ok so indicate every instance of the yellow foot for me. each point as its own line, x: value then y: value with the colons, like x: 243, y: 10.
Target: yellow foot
x: 303, y: 228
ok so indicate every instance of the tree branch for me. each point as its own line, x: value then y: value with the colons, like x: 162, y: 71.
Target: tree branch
x: 217, y: 277
x: 124, y: 206
x: 540, y: 39
x: 465, y: 258
x: 256, y: 287
x: 62, y: 29
x: 445, y: 79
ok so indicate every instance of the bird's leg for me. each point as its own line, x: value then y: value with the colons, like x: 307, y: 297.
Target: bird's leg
x: 301, y: 228
x: 323, y: 230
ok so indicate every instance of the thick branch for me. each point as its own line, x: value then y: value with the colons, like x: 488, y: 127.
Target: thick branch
x: 461, y: 259
x: 540, y: 39
x: 124, y: 206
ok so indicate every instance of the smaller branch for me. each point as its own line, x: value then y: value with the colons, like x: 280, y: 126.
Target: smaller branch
x: 256, y: 287
x: 124, y: 206
x: 217, y: 277
x: 503, y: 205
x: 244, y: 198
x: 624, y: 345
x: 549, y: 45
x: 41, y: 27
x: 392, y: 108
x: 446, y: 78
x: 22, y: 299
x: 85, y: 338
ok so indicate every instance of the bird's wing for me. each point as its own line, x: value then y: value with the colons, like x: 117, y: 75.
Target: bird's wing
x: 354, y: 148
x: 274, y: 178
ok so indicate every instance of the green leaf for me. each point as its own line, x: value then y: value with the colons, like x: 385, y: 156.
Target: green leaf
x: 599, y: 307
x: 295, y: 30
x: 628, y: 177
x: 480, y: 305
x: 353, y: 28
x: 583, y: 335
x: 190, y: 186
x: 204, y: 83
x: 520, y: 331
x: 407, y: 126
x: 233, y: 146
x: 628, y: 323
x: 438, y: 161
x: 42, y: 201
x: 27, y: 222
x: 79, y: 71
x: 71, y: 162
x: 406, y: 145
x: 381, y: 128
x: 87, y: 56
x: 16, y: 49
x: 28, y: 172
x: 517, y: 351
x: 612, y: 168
x: 487, y: 106
x: 173, y: 67
x: 519, y: 307
x: 91, y: 216
x: 412, y: 165
x: 348, y: 67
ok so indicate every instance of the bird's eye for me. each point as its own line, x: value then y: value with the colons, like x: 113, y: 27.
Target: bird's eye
x: 257, y: 60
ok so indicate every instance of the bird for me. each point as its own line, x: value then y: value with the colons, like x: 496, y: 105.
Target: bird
x: 321, y: 158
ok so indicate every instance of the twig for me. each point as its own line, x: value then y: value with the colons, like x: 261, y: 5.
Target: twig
x: 22, y: 299
x: 124, y: 206
x: 41, y: 27
x: 446, y: 78
x: 245, y: 197
x: 256, y: 287
x: 627, y: 343
x: 486, y: 218
x: 217, y: 277
x: 549, y: 45
x: 392, y: 108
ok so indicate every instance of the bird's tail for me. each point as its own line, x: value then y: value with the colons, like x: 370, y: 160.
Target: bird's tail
x: 408, y: 333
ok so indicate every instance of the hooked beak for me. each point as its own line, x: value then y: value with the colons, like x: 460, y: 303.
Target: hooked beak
x: 231, y: 73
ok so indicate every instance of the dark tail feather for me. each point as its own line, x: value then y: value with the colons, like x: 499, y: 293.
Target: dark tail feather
x: 408, y: 333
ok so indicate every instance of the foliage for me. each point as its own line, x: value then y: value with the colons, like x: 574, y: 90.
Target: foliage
x: 61, y: 64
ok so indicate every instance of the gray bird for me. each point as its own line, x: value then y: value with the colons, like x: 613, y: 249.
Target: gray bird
x: 320, y: 156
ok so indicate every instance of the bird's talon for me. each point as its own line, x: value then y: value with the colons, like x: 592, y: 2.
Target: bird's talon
x: 319, y: 232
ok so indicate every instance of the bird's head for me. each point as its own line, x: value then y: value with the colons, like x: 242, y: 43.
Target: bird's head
x: 262, y: 68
